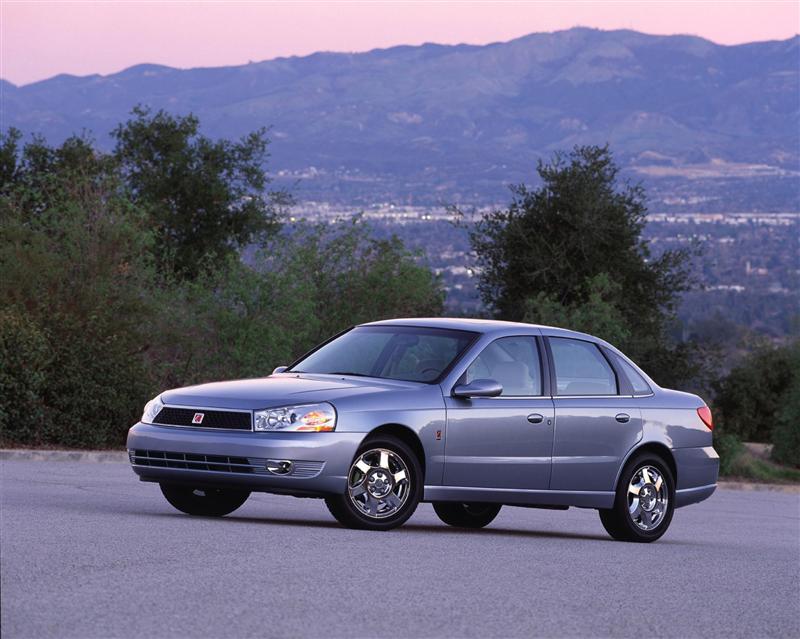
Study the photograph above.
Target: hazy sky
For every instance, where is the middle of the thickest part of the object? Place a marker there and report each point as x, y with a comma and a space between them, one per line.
41, 39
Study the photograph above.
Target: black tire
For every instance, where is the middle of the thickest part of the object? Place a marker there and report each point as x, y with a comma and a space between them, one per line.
619, 521
343, 508
469, 515
205, 502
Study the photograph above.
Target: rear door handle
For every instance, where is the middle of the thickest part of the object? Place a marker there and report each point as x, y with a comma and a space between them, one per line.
535, 418
623, 418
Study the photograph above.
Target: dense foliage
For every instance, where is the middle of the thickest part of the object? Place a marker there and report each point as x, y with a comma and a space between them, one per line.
571, 253
92, 323
595, 314
76, 259
308, 283
169, 262
786, 432
759, 400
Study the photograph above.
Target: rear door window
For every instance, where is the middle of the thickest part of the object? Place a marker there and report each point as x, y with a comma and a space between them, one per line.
581, 369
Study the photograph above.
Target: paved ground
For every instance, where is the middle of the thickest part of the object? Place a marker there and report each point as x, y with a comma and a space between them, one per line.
88, 551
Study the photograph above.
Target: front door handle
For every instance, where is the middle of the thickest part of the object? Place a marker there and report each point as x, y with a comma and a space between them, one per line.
623, 418
535, 418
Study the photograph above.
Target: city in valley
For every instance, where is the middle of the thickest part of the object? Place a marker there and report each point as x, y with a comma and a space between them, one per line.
746, 265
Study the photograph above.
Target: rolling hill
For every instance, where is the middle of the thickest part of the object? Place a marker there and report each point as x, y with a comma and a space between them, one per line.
706, 127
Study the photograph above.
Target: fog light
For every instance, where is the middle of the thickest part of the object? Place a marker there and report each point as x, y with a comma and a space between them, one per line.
279, 466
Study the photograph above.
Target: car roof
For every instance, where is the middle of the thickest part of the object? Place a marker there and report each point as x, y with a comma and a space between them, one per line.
480, 326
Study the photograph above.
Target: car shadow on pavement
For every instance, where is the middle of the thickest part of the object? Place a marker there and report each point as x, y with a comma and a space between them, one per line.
505, 532
407, 528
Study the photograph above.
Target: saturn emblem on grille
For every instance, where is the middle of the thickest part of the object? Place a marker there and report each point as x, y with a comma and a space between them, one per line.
198, 418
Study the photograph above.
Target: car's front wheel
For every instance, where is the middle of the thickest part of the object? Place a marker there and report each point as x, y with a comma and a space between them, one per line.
207, 502
644, 502
469, 515
384, 486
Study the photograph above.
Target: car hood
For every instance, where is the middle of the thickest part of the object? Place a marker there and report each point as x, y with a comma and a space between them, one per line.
277, 390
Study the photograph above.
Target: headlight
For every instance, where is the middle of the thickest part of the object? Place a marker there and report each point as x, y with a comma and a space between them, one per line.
307, 417
151, 410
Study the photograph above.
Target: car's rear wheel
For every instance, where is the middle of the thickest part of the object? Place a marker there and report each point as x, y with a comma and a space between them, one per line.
207, 502
644, 501
468, 515
384, 486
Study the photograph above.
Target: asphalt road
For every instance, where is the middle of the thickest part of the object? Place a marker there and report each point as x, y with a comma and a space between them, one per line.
88, 551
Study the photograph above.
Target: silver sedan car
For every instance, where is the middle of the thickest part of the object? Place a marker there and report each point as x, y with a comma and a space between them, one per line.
467, 414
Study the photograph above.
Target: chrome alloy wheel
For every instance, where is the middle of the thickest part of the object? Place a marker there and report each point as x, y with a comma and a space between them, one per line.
379, 483
648, 497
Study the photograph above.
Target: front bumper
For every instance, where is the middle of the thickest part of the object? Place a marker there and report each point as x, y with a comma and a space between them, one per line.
205, 457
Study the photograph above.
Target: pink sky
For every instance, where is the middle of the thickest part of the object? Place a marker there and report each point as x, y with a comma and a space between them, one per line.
42, 39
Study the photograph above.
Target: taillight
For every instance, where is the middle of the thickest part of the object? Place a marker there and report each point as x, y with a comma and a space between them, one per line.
705, 414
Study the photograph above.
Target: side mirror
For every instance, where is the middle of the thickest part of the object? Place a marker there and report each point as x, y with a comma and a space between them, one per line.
280, 369
478, 388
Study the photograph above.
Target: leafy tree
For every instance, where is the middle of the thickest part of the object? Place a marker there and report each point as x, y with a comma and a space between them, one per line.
38, 179
596, 315
9, 157
575, 244
205, 198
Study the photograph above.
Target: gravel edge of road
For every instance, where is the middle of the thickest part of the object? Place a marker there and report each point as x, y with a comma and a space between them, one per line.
32, 454
105, 456
732, 484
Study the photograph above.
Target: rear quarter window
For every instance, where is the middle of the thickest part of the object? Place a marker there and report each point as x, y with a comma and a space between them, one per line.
638, 383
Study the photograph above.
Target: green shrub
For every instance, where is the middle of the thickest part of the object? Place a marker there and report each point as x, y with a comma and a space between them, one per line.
347, 276
83, 390
230, 322
76, 267
729, 448
313, 281
748, 399
751, 468
786, 433
24, 356
96, 384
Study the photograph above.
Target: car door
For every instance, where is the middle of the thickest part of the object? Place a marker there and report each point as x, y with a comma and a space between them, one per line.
595, 423
505, 441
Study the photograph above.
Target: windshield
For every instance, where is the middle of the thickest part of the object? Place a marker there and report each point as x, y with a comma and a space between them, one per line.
408, 353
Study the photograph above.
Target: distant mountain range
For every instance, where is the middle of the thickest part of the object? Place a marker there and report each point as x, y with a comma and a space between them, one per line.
706, 127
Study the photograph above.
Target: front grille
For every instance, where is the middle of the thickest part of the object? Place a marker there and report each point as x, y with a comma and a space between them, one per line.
191, 461
231, 420
306, 468
220, 463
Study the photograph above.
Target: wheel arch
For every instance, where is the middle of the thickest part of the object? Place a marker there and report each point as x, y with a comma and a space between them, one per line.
404, 434
655, 448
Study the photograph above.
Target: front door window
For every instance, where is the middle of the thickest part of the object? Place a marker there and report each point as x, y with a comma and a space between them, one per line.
511, 361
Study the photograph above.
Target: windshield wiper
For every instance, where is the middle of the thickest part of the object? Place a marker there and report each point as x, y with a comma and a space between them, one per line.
353, 374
